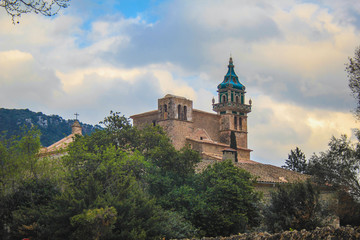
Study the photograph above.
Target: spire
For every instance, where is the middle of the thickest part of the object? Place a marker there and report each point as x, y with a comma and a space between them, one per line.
230, 60
231, 78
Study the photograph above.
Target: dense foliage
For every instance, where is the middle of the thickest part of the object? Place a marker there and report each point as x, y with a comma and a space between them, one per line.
52, 128
120, 183
337, 169
296, 161
295, 206
338, 166
353, 70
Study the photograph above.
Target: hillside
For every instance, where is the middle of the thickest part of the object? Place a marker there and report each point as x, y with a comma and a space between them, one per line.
53, 127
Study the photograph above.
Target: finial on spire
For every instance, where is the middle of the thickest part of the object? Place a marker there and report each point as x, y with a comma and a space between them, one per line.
230, 60
76, 116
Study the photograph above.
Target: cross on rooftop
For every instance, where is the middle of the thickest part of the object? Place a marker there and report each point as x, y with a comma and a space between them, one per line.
76, 115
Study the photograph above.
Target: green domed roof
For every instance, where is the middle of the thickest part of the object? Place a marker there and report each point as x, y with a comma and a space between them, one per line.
231, 79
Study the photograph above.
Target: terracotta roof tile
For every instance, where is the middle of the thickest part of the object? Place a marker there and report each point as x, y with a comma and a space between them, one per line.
265, 173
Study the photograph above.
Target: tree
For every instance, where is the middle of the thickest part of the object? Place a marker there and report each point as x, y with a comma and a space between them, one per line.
25, 210
124, 168
353, 70
294, 206
15, 8
296, 161
233, 144
104, 190
19, 158
226, 202
339, 166
94, 223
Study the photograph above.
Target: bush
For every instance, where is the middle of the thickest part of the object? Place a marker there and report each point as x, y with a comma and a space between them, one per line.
294, 206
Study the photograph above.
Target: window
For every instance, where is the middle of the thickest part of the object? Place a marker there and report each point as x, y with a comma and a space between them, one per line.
179, 111
240, 123
237, 99
223, 98
165, 112
185, 113
235, 122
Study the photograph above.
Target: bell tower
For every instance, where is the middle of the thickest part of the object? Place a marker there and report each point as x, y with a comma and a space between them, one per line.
232, 109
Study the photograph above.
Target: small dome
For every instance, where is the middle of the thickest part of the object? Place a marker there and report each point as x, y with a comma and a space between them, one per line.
76, 124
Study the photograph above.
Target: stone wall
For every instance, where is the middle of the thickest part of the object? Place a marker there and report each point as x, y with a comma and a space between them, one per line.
206, 147
341, 233
145, 118
177, 130
208, 121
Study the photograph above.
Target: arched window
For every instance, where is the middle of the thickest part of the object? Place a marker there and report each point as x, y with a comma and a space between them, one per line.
165, 112
237, 99
223, 98
240, 123
179, 111
185, 113
235, 122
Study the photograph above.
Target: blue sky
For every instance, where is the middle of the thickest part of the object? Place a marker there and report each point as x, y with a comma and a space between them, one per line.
97, 56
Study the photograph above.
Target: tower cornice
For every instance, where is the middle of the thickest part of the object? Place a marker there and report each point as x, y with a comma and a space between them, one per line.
232, 106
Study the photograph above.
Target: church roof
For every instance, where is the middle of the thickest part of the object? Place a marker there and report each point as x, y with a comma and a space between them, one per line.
267, 173
231, 79
264, 173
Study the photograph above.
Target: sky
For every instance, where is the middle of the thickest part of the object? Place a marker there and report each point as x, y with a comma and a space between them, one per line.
97, 56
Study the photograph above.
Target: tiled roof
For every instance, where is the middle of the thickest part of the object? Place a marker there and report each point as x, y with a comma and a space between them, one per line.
265, 173
60, 145
144, 114
271, 174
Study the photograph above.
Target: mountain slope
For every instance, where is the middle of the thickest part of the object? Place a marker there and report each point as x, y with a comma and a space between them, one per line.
53, 127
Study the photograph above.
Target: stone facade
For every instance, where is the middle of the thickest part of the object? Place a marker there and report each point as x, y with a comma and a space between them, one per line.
59, 148
207, 133
210, 133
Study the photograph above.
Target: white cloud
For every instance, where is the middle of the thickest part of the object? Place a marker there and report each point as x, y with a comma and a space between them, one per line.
289, 54
275, 128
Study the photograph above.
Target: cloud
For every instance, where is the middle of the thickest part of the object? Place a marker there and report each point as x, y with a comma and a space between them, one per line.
24, 81
93, 58
275, 128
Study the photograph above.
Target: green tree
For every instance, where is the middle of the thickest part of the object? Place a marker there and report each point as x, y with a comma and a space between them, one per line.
94, 223
227, 203
24, 211
233, 144
296, 161
19, 158
294, 206
104, 187
115, 173
339, 166
353, 70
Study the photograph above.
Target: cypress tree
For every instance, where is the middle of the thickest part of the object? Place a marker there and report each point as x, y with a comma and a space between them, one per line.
233, 144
